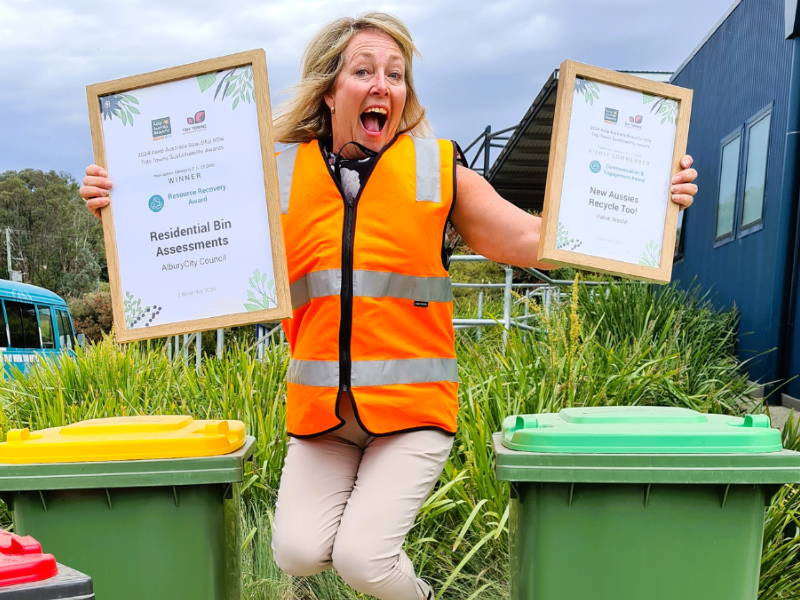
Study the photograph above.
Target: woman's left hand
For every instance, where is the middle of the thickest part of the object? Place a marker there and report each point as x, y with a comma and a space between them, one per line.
683, 189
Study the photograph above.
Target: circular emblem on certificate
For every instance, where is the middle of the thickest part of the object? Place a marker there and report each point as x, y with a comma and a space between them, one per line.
156, 203
594, 166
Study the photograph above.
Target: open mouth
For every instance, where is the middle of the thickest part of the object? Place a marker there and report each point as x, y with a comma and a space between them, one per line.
374, 119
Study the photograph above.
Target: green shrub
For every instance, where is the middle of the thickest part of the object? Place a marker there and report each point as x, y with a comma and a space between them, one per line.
91, 314
629, 344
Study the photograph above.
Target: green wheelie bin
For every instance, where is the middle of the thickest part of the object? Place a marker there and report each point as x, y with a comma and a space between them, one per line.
626, 503
147, 506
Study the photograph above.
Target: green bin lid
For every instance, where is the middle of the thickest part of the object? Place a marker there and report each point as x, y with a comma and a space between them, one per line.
639, 430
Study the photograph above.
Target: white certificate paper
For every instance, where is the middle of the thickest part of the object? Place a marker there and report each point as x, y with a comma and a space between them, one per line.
189, 205
617, 173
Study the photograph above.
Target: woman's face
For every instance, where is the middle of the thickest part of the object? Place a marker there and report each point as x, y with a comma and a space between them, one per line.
369, 93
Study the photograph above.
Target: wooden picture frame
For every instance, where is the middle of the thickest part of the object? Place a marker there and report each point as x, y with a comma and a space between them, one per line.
660, 270
255, 91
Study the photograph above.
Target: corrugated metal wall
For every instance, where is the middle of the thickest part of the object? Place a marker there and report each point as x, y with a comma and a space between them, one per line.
743, 67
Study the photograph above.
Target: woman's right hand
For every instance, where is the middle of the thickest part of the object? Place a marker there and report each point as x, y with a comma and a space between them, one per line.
95, 189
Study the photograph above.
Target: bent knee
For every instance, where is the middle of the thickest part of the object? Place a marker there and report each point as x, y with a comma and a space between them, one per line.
298, 557
354, 569
358, 570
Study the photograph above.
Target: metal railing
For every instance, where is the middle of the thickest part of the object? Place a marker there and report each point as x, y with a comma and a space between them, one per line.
546, 292
487, 141
507, 321
174, 348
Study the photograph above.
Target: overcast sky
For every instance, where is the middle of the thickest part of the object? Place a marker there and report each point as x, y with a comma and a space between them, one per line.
483, 60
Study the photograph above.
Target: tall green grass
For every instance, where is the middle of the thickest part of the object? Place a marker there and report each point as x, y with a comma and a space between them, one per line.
627, 344
108, 379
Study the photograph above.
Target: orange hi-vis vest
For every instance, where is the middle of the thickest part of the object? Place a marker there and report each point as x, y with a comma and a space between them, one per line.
372, 301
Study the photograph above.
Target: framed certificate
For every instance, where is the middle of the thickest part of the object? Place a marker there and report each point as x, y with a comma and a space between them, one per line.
193, 233
617, 142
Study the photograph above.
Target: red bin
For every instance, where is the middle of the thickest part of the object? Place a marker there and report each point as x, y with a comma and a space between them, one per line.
28, 574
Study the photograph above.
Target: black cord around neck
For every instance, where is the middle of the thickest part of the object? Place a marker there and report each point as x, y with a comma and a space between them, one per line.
337, 161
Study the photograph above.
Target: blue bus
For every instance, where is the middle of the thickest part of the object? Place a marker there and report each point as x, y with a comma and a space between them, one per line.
35, 323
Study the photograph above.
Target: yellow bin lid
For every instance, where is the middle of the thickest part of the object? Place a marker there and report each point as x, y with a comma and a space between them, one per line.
123, 438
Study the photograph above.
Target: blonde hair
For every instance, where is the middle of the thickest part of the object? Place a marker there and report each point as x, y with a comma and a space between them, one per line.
306, 116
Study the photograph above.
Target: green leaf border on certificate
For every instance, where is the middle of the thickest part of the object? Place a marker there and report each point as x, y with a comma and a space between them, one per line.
588, 89
120, 106
236, 83
138, 316
261, 294
651, 257
667, 108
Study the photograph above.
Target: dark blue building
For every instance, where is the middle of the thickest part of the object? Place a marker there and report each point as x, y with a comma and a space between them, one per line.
741, 238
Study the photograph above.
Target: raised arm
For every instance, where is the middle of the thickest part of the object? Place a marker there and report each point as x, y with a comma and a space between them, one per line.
492, 226
501, 232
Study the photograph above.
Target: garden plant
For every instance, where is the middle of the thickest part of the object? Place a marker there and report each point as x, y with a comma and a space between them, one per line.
621, 344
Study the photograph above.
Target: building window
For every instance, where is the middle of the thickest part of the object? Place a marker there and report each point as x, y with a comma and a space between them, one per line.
743, 178
755, 171
728, 180
680, 236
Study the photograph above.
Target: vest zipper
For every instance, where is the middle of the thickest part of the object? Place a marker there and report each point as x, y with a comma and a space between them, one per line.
346, 295
346, 327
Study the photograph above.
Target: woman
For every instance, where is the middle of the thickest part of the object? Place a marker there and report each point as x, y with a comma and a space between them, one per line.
367, 200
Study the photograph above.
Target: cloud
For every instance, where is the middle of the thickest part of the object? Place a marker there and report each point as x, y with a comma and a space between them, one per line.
483, 62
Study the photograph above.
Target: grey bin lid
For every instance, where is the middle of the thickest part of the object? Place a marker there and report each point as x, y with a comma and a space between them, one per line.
69, 584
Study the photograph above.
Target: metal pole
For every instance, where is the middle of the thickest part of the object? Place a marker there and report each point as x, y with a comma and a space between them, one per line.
186, 349
198, 351
260, 344
487, 152
280, 333
8, 250
507, 306
220, 342
169, 349
464, 323
480, 312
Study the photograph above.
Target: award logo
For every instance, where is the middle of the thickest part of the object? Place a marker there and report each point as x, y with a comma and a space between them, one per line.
595, 166
634, 122
611, 116
156, 203
196, 123
199, 117
162, 128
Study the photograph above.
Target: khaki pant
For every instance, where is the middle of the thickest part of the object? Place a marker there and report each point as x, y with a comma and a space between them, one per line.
348, 499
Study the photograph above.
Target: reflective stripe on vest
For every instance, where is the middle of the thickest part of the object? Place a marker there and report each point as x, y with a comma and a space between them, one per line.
371, 284
285, 161
319, 373
373, 302
315, 285
429, 185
